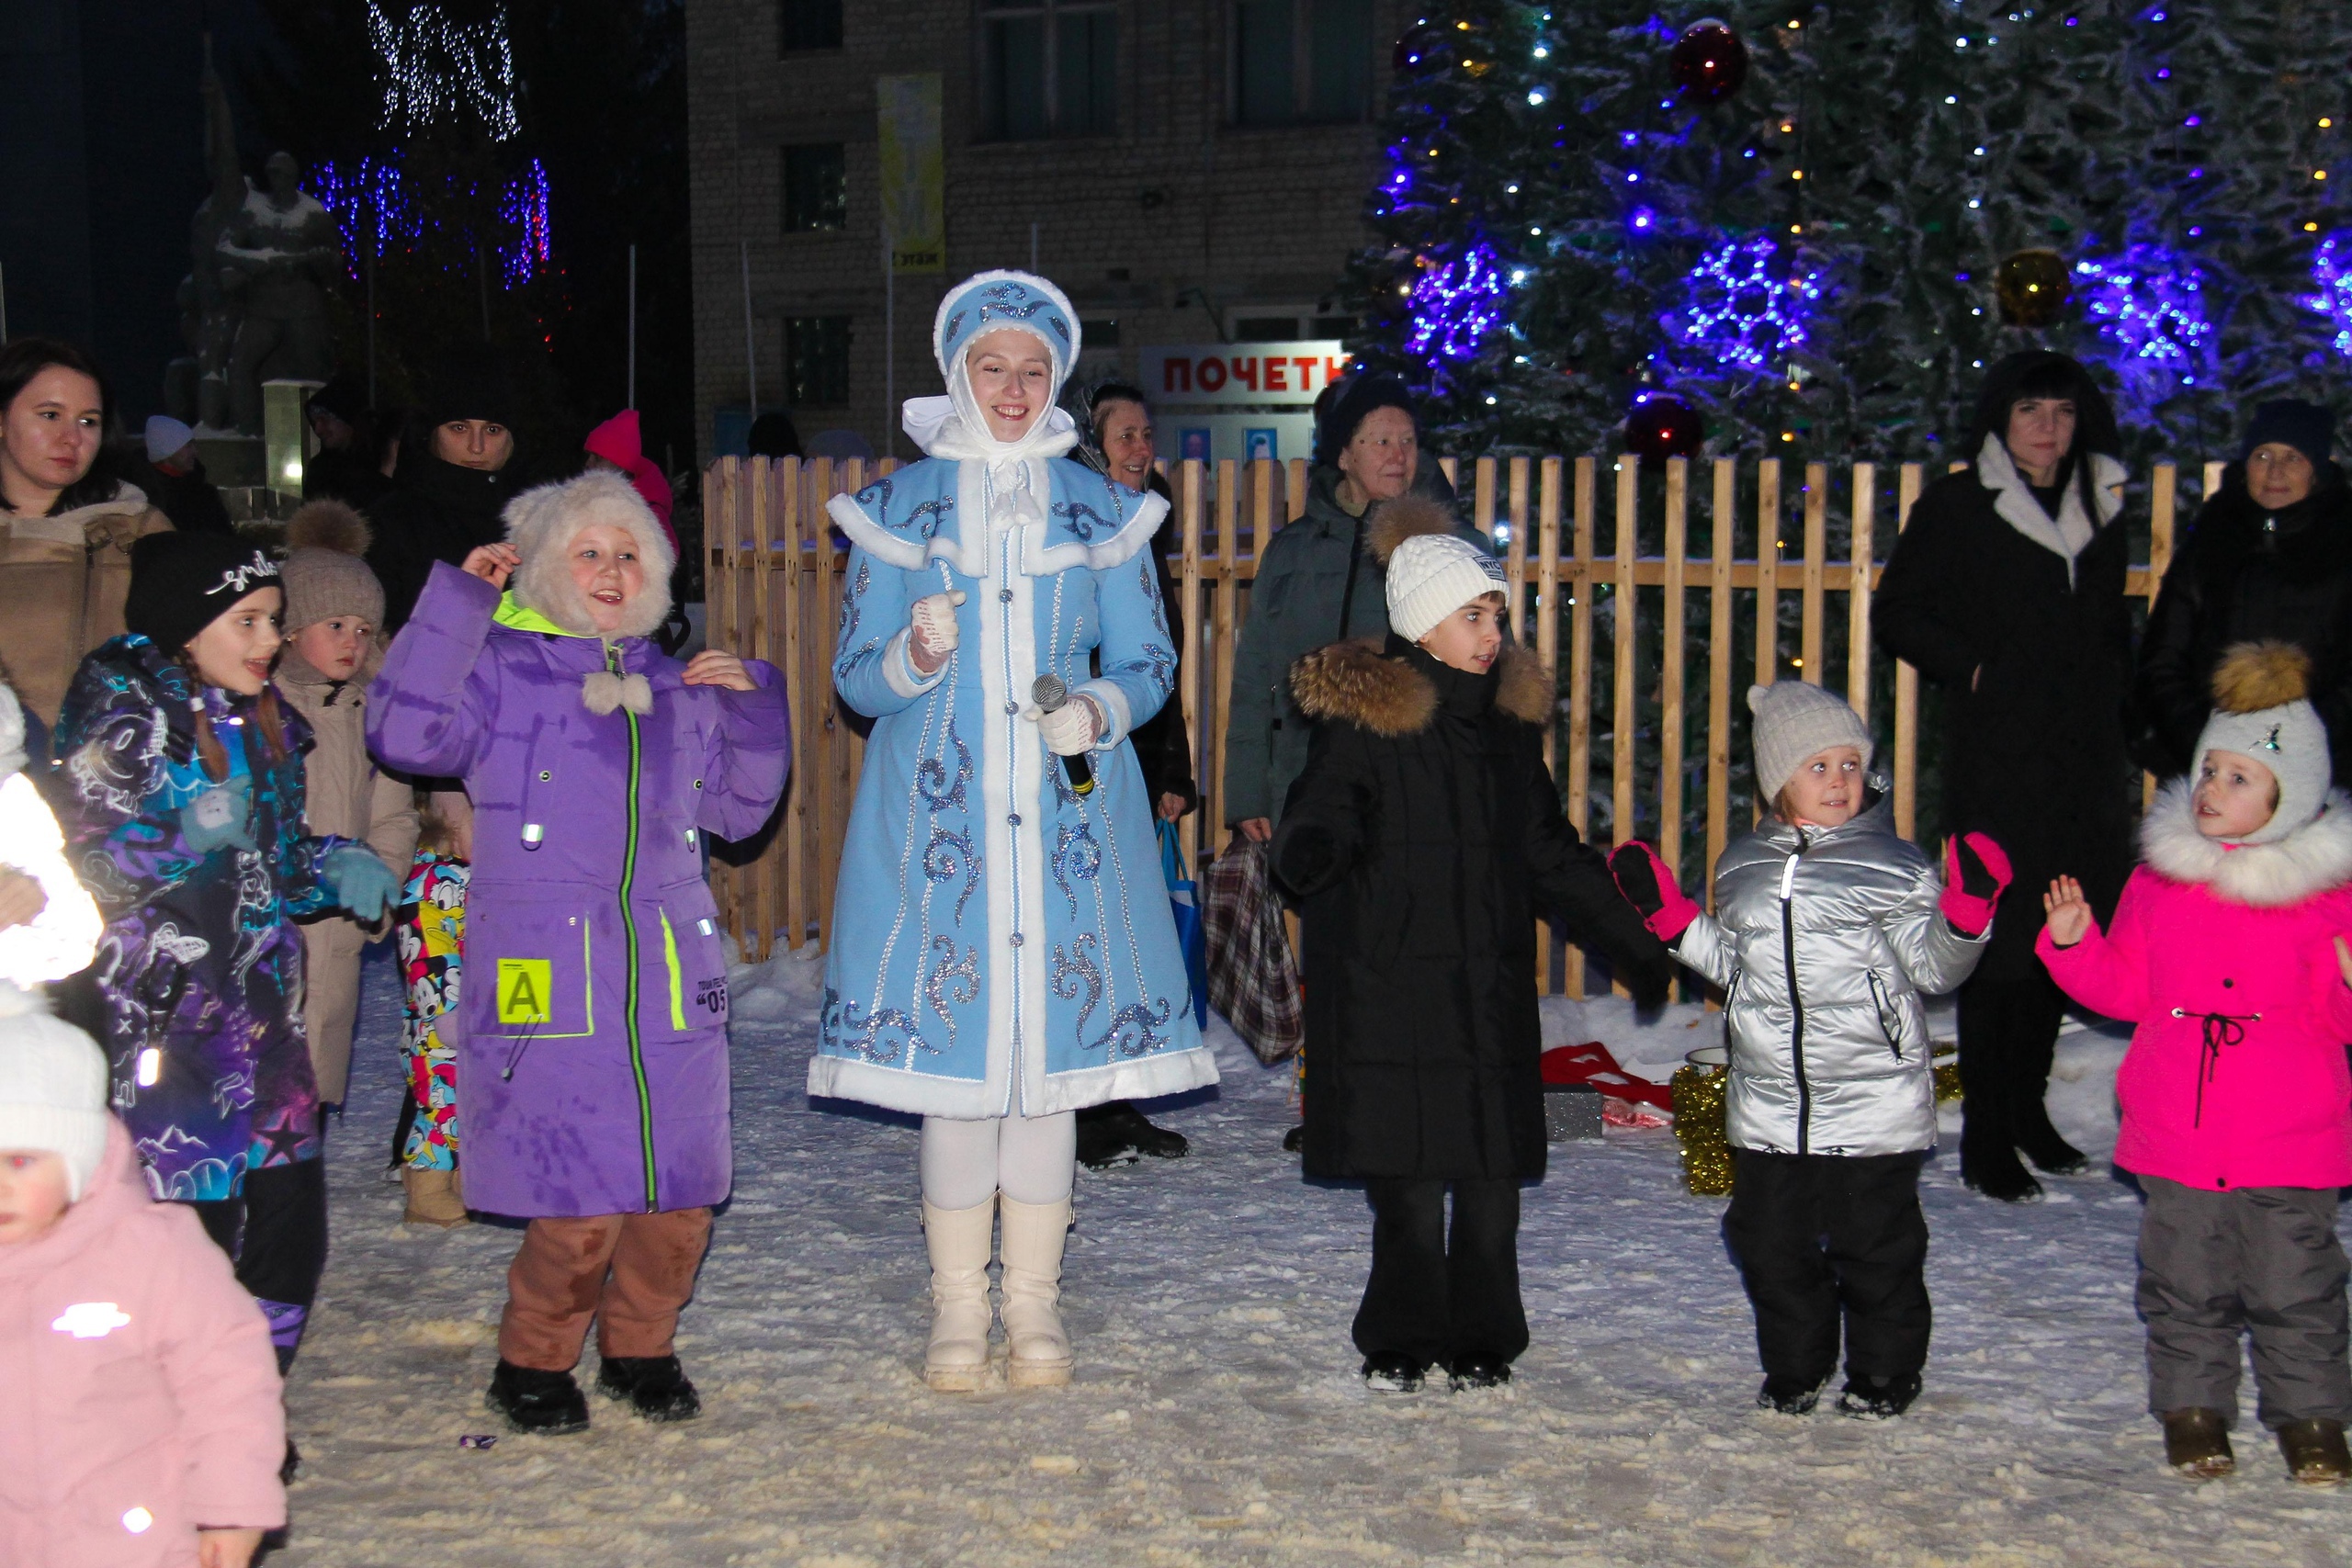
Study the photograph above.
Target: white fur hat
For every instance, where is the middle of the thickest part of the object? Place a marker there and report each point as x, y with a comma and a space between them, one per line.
541, 525
52, 1087
2262, 710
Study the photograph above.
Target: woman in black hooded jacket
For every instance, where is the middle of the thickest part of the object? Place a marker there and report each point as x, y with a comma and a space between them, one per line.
2268, 560
2007, 590
457, 473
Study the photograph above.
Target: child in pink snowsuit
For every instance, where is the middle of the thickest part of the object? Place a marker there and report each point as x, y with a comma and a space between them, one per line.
2228, 949
143, 1428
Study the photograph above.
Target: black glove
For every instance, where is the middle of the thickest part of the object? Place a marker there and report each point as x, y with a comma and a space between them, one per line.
1636, 879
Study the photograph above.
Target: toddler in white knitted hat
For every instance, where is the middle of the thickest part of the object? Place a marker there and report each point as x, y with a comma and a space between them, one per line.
161, 1444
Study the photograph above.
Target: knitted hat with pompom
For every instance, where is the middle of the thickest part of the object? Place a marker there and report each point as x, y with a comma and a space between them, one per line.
2262, 709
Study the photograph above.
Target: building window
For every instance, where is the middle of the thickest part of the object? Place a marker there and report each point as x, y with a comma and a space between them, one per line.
1300, 62
808, 24
1099, 335
1048, 68
816, 188
816, 360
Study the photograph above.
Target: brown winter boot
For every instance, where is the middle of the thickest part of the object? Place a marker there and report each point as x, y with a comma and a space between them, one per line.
2316, 1453
2197, 1444
1038, 1346
434, 1198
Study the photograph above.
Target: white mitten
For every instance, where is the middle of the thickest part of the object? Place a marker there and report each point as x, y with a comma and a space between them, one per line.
931, 625
1067, 731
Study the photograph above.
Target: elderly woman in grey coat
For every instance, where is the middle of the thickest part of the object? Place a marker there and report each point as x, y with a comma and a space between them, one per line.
1828, 931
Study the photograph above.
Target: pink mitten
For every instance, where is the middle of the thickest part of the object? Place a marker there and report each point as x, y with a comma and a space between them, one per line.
1647, 883
1975, 870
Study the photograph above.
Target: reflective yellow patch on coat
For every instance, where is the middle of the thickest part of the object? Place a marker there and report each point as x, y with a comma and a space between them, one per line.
525, 990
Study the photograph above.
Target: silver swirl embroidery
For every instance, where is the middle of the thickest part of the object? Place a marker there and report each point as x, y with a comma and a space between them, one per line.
884, 1037
1133, 1031
955, 977
1074, 974
1077, 853
932, 782
949, 855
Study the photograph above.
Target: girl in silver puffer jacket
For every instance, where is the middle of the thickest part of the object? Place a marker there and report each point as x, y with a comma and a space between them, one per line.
1827, 932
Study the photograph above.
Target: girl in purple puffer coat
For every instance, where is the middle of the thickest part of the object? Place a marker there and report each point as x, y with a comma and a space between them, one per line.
593, 1064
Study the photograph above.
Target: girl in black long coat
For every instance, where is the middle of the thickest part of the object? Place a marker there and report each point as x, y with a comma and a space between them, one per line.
1424, 835
2007, 589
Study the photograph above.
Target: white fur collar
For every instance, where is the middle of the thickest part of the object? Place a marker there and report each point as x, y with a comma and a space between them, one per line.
2070, 531
2312, 859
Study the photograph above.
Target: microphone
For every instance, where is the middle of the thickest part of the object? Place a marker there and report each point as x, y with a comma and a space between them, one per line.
1048, 692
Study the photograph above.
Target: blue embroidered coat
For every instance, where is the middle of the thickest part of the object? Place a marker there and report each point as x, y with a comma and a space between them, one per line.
1001, 944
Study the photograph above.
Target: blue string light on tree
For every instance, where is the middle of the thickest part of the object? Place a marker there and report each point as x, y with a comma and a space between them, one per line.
1453, 307
1743, 308
2149, 305
2331, 270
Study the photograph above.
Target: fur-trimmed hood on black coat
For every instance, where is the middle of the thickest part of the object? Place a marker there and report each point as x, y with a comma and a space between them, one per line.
2244, 573
1426, 838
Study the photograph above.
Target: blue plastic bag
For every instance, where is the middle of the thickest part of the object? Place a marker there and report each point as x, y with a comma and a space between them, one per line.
1183, 902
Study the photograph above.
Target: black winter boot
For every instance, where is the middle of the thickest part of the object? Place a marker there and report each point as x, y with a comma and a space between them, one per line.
1470, 1373
1790, 1396
539, 1402
1392, 1371
1876, 1398
655, 1385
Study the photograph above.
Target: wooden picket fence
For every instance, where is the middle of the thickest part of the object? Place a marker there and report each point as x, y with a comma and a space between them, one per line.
777, 565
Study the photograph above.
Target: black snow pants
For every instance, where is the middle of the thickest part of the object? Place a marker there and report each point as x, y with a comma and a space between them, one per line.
1818, 1237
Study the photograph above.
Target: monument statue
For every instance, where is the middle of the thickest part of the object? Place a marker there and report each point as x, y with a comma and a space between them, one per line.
253, 306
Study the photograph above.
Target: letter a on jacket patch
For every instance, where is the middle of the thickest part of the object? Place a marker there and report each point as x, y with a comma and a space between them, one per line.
524, 987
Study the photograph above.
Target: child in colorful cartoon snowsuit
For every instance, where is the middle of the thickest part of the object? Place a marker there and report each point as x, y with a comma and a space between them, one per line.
183, 775
430, 926
2228, 951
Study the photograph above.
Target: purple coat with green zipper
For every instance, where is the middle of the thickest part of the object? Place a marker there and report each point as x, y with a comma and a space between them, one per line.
594, 1068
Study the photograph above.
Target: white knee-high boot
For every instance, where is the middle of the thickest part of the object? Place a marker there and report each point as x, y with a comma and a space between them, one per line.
1033, 1234
960, 1241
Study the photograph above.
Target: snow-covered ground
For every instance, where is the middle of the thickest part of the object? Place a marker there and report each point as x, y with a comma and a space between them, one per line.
1217, 1417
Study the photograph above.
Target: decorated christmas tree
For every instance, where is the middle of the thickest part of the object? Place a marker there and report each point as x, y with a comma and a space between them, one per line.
1801, 227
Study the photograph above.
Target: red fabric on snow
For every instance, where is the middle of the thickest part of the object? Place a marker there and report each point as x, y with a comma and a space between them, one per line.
1591, 1063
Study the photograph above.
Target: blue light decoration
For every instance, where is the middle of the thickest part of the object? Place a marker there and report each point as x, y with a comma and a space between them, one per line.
1744, 306
1454, 306
371, 206
2331, 270
2149, 304
524, 208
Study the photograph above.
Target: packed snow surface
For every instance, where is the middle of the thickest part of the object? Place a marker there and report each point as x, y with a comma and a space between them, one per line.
1217, 1417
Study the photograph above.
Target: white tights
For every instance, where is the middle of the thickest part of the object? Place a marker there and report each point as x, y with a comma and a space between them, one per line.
1034, 1159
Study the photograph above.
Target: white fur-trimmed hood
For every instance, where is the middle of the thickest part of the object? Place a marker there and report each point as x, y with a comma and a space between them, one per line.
2310, 860
541, 522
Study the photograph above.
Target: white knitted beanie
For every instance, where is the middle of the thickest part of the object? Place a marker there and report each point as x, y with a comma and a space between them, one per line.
52, 1087
1796, 720
2262, 711
1432, 575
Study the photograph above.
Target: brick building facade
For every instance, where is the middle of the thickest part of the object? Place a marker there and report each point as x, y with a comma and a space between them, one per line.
1189, 171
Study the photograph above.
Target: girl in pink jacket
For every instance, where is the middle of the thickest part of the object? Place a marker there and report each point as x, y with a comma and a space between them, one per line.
2228, 951
143, 1428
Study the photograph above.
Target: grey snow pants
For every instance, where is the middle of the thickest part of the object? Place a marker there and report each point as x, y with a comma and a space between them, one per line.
2214, 1266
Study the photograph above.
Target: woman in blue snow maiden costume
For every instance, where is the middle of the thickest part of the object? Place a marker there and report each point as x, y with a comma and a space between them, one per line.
1002, 951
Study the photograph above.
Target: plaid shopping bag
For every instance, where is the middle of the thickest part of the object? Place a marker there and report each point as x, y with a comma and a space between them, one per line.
1254, 979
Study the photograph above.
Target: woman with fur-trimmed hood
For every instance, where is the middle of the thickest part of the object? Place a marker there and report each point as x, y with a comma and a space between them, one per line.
593, 1065
1425, 836
2228, 951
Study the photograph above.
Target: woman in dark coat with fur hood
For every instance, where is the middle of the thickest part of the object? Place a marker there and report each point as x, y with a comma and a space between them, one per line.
1425, 836
2007, 590
2268, 560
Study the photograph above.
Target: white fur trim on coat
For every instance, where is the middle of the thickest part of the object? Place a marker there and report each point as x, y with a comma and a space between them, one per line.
2068, 533
2312, 859
541, 522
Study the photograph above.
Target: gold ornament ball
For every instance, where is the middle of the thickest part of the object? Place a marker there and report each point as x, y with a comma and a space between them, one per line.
2032, 288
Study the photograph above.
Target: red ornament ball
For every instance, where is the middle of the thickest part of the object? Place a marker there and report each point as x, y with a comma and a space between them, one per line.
1661, 426
1708, 61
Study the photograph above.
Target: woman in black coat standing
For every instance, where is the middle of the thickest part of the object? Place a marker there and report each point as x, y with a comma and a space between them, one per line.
2007, 590
2270, 559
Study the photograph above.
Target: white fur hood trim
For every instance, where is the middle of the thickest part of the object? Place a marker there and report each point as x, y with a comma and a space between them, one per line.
2070, 533
2310, 860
